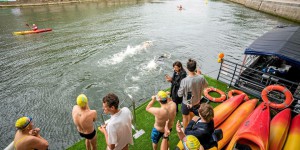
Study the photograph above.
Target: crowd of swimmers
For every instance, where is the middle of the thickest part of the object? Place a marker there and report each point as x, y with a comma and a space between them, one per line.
195, 131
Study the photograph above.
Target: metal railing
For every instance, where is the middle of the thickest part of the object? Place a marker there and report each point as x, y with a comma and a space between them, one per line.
253, 81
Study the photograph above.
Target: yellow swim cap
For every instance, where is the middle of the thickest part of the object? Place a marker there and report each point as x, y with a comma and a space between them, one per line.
192, 143
23, 122
163, 95
82, 100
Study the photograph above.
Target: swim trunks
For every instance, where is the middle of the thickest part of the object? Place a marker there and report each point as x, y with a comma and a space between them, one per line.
156, 135
88, 136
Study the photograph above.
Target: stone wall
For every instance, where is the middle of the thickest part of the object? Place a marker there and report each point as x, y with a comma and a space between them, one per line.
254, 4
239, 1
289, 9
21, 3
34, 2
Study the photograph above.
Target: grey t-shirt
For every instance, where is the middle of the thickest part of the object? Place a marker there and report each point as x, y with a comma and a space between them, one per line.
195, 85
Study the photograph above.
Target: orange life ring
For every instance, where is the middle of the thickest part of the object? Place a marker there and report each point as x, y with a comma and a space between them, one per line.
287, 93
238, 92
220, 99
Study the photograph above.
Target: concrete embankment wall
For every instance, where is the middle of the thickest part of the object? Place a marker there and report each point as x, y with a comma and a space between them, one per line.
289, 9
21, 3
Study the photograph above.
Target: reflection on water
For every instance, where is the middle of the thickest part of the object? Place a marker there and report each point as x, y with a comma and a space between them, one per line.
96, 48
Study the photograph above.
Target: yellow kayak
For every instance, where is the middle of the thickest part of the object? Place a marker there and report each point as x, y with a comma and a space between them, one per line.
32, 32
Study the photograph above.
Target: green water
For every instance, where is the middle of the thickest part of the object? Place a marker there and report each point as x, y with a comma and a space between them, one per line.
96, 48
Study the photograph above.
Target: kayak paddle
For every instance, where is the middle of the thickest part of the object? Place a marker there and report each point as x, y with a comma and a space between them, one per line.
28, 25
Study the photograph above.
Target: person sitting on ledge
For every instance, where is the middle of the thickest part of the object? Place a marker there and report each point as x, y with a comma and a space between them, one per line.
28, 137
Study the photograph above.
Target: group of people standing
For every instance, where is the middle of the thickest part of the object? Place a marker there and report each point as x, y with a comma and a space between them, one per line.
186, 89
197, 118
119, 124
27, 137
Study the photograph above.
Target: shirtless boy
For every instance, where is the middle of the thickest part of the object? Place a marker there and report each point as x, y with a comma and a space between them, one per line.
84, 118
167, 111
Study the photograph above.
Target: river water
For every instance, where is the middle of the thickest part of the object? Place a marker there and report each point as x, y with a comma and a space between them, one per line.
96, 48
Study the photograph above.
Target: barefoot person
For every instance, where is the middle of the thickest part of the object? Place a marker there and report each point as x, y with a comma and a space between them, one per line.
84, 119
167, 111
191, 89
28, 137
117, 132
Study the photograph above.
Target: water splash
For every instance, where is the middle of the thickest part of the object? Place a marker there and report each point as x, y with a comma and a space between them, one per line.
152, 65
128, 52
135, 78
132, 90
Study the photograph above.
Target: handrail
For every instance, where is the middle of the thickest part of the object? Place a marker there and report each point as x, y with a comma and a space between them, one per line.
253, 81
134, 114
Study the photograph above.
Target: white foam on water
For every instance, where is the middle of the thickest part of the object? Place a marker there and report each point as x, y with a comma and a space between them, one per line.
128, 52
141, 72
152, 65
132, 89
167, 55
135, 78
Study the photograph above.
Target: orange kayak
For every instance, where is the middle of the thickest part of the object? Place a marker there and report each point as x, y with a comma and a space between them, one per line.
279, 128
254, 132
222, 111
32, 32
293, 139
233, 122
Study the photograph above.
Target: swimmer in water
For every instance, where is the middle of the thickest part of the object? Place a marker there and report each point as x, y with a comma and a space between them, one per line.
146, 44
180, 7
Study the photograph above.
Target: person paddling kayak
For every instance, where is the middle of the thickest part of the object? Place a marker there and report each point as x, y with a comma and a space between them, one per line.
34, 27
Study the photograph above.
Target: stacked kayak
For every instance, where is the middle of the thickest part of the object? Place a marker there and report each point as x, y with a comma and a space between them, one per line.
223, 111
293, 139
254, 132
32, 32
233, 122
279, 128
